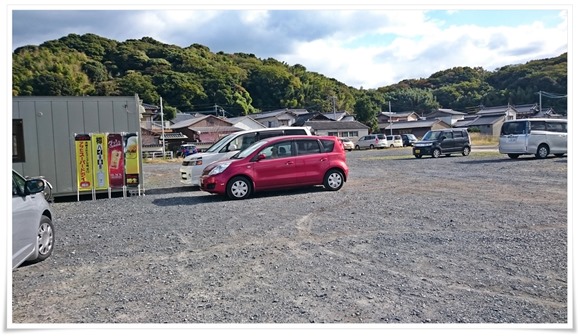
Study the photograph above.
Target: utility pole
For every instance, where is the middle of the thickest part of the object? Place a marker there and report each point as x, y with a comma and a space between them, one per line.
162, 129
390, 120
333, 106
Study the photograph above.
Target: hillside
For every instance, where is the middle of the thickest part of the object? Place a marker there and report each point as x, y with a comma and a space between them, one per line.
196, 79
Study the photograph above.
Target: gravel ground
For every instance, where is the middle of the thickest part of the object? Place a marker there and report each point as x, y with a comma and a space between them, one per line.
456, 240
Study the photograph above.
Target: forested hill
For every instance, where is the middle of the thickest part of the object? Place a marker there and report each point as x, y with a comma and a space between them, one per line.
195, 79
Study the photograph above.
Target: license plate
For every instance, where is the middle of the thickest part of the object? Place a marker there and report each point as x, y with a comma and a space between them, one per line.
417, 151
512, 139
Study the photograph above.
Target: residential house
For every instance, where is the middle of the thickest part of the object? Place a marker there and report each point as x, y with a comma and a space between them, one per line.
312, 116
245, 123
339, 116
533, 111
203, 129
385, 117
484, 124
153, 132
346, 129
448, 116
282, 117
508, 111
418, 127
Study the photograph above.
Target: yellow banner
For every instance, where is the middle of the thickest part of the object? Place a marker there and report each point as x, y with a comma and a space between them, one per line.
100, 161
84, 162
132, 156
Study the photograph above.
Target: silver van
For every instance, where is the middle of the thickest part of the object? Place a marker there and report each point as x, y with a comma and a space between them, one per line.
538, 136
372, 141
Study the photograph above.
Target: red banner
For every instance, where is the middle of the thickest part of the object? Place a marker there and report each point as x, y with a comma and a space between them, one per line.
116, 160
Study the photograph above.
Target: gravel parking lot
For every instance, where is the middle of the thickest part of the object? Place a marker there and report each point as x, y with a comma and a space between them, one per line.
480, 239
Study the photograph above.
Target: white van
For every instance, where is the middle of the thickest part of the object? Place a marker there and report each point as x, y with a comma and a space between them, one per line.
229, 145
538, 136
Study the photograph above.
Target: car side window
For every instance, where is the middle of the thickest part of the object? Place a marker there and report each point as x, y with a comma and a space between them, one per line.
17, 184
277, 150
555, 127
269, 134
458, 134
307, 147
447, 135
537, 125
327, 146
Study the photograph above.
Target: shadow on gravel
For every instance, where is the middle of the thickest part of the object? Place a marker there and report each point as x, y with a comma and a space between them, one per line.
506, 160
171, 190
210, 198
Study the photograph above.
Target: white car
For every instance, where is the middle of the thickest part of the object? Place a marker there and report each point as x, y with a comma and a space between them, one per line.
228, 146
372, 141
394, 141
32, 228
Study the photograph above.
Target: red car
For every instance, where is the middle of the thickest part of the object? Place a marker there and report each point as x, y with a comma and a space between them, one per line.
279, 163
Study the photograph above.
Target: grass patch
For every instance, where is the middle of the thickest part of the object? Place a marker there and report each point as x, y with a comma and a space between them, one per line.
478, 139
160, 160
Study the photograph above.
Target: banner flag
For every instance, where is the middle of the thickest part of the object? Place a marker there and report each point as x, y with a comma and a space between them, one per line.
116, 162
84, 162
100, 162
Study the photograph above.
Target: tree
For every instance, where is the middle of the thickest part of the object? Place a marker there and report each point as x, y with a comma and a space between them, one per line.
366, 112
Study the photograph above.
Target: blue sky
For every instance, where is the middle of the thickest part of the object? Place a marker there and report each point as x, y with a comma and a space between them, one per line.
368, 46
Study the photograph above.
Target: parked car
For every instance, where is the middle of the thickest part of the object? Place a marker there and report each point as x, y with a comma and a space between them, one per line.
540, 137
186, 150
32, 216
408, 139
228, 146
443, 141
279, 163
347, 144
394, 141
372, 141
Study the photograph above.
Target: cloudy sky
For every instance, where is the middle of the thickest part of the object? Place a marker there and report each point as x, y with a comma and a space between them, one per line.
365, 47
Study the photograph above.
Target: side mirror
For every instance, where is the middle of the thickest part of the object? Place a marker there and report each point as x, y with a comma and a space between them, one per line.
443, 137
33, 186
261, 156
232, 147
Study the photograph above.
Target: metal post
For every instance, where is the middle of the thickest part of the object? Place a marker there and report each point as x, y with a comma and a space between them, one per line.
390, 120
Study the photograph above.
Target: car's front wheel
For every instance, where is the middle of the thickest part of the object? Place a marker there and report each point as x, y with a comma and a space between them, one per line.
238, 188
333, 180
514, 156
436, 153
44, 239
357, 147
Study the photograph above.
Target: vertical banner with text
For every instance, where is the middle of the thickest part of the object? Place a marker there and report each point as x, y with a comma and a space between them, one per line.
116, 160
100, 162
84, 162
131, 159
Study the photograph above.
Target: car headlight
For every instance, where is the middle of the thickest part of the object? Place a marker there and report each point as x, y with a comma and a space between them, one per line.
219, 168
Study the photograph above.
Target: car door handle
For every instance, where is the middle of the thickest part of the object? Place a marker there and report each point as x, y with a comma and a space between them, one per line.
289, 163
323, 159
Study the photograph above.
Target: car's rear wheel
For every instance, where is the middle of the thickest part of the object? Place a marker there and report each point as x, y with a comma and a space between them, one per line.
436, 153
45, 239
372, 146
542, 152
514, 156
333, 180
466, 151
357, 147
239, 188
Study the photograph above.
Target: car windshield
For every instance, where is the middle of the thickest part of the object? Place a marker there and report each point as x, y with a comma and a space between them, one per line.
216, 146
411, 137
244, 153
431, 135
